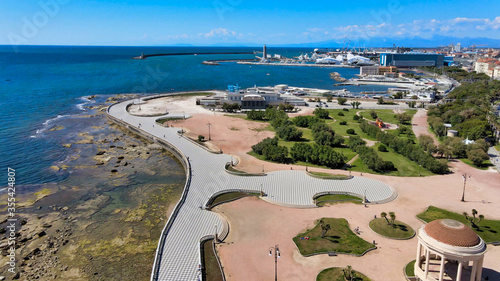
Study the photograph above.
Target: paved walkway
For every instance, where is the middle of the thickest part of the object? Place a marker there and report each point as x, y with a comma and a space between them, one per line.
494, 157
181, 256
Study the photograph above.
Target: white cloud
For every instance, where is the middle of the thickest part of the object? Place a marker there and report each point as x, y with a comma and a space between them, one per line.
460, 26
220, 33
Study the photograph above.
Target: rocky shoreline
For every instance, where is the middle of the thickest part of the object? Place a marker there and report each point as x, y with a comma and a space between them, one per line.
103, 222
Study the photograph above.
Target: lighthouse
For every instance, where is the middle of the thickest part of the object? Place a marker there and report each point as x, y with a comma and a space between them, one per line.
264, 53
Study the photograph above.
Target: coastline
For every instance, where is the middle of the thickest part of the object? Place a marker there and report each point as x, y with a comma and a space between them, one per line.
105, 218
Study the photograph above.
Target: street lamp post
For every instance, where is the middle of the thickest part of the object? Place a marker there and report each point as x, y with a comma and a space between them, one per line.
209, 125
216, 235
464, 177
276, 256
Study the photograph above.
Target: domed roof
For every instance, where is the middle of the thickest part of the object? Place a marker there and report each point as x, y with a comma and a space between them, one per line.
452, 232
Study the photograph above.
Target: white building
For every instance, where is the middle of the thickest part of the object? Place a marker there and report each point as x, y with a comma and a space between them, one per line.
449, 250
368, 70
254, 98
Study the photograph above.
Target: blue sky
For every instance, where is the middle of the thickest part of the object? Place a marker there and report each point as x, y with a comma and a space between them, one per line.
232, 22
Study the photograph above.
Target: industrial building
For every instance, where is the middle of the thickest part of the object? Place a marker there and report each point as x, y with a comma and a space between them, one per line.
411, 59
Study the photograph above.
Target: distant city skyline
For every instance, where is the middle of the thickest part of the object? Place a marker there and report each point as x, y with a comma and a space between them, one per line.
246, 23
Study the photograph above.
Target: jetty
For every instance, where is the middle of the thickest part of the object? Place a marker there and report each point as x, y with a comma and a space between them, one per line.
178, 252
143, 56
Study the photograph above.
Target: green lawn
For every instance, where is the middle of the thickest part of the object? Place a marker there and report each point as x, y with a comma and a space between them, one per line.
212, 270
351, 124
231, 196
410, 269
489, 230
386, 115
400, 230
232, 169
339, 239
404, 166
328, 176
337, 198
336, 274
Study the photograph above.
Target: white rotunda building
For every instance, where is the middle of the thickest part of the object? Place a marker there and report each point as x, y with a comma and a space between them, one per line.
449, 250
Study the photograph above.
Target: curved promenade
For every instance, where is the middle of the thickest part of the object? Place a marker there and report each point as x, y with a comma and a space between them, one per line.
178, 257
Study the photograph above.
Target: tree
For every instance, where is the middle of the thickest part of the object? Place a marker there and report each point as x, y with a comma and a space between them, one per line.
329, 99
403, 118
384, 215
349, 273
324, 228
393, 217
473, 220
427, 143
341, 100
411, 104
481, 217
355, 104
321, 113
382, 148
398, 95
256, 115
259, 148
230, 107
201, 138
289, 133
477, 156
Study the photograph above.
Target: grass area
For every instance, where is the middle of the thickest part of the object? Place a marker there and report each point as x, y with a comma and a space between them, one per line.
399, 230
231, 196
337, 198
497, 147
232, 169
410, 269
328, 176
489, 230
351, 123
386, 115
339, 239
404, 166
165, 120
485, 166
212, 270
336, 274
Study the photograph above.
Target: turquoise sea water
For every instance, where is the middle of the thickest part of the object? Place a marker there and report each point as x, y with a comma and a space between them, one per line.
41, 86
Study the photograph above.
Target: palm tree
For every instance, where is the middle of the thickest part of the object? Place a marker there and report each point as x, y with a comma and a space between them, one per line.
474, 213
481, 217
393, 217
466, 215
349, 274
324, 228
384, 215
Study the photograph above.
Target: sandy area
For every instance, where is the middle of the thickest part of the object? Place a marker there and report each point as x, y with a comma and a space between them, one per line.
256, 225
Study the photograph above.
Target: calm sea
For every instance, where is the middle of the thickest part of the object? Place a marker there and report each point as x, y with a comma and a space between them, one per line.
41, 86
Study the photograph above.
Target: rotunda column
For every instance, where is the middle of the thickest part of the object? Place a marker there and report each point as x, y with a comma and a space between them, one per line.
459, 270
441, 269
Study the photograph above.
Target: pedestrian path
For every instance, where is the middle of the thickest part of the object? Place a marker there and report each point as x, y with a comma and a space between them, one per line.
178, 255
494, 157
